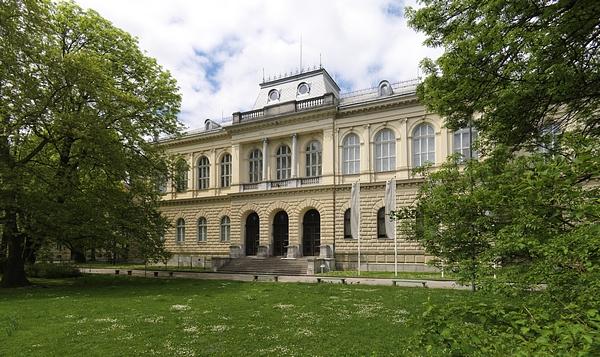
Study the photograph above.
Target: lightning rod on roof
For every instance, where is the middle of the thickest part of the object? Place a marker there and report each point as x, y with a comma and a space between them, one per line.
300, 50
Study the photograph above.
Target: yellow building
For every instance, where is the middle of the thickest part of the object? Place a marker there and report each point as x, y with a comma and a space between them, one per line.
275, 182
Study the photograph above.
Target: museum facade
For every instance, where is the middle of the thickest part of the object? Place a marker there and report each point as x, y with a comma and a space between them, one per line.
275, 181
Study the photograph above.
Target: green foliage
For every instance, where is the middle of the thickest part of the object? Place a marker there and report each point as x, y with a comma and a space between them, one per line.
519, 65
512, 227
488, 327
80, 103
524, 221
52, 271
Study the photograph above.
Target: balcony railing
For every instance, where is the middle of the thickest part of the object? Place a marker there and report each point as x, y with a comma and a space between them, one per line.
254, 114
309, 103
282, 183
287, 183
285, 108
310, 181
249, 186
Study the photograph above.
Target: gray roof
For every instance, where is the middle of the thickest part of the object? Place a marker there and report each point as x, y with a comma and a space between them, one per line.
368, 94
319, 81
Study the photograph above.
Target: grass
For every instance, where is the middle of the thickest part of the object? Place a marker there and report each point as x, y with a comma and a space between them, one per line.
128, 316
390, 275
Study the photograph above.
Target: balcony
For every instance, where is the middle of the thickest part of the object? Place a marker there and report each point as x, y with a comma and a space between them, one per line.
307, 181
285, 108
289, 183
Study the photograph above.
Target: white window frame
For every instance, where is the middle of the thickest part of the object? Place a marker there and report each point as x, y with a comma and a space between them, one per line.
203, 173
226, 170
351, 154
202, 229
385, 150
283, 159
255, 166
225, 229
314, 159
461, 143
423, 139
180, 231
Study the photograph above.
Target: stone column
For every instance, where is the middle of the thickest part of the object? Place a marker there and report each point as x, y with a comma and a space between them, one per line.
236, 164
366, 167
294, 155
328, 157
265, 153
213, 180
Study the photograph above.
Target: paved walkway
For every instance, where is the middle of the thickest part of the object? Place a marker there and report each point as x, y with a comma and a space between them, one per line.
435, 284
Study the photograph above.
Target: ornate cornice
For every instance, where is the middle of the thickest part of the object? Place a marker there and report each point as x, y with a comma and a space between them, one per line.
376, 105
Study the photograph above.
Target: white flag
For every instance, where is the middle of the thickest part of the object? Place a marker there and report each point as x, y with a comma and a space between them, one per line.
390, 206
355, 210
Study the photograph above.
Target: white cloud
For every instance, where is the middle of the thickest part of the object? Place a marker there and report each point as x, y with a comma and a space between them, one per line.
217, 50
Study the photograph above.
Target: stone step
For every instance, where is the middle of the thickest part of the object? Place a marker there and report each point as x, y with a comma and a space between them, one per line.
271, 265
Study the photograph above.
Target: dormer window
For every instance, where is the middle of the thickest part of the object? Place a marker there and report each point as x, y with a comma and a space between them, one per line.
385, 88
209, 125
273, 95
303, 88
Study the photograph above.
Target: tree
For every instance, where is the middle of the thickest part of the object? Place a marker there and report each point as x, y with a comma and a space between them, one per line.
524, 220
79, 102
519, 65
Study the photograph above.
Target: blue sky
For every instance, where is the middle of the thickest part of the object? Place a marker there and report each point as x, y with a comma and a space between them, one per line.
217, 50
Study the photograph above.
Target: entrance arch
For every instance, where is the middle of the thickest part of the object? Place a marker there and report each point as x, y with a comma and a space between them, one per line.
280, 233
311, 233
252, 233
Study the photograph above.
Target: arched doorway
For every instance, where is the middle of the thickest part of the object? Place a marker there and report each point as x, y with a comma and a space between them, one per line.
311, 233
280, 233
252, 234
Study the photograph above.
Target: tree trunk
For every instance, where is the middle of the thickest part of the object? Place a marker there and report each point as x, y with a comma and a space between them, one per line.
30, 251
14, 270
78, 255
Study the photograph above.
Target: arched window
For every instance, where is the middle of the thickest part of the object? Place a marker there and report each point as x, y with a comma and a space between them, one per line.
202, 229
381, 233
226, 170
350, 155
283, 158
161, 184
423, 145
313, 159
203, 173
181, 176
347, 226
256, 162
225, 229
385, 150
463, 140
180, 235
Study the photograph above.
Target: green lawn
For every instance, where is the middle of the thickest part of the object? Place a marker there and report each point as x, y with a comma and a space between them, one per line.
390, 275
125, 316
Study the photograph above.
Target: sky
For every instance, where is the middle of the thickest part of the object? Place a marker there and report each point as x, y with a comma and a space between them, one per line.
217, 50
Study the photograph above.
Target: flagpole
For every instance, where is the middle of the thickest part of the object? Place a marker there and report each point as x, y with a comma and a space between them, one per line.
359, 252
395, 251
355, 218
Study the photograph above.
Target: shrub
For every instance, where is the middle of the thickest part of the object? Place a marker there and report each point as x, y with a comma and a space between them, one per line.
50, 270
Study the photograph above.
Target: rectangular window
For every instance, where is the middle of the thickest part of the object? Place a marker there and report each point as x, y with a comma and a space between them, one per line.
463, 139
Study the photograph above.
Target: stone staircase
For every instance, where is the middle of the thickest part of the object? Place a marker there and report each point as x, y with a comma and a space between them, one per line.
270, 265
